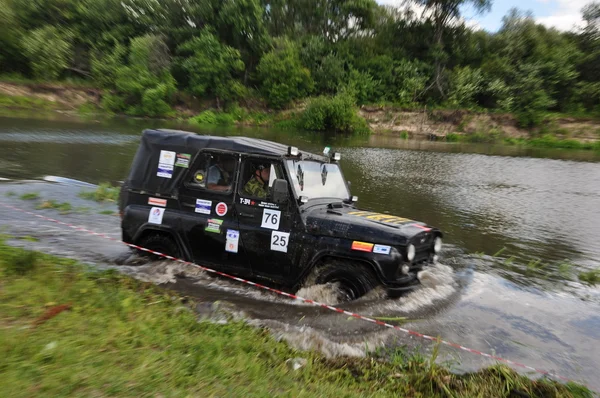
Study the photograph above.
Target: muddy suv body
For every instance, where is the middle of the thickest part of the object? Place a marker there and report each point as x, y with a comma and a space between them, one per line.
189, 196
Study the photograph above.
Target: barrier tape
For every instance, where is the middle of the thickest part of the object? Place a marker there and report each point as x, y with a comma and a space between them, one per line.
292, 296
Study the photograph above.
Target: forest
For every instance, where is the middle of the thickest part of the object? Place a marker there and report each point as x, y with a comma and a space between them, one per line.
148, 55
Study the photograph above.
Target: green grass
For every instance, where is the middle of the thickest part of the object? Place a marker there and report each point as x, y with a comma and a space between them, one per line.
29, 238
64, 207
10, 194
30, 196
68, 330
106, 212
17, 101
590, 277
104, 193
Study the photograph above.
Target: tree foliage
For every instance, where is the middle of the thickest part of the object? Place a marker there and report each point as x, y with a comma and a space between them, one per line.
282, 76
143, 51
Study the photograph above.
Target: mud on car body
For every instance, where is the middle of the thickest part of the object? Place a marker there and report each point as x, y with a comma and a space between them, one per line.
195, 197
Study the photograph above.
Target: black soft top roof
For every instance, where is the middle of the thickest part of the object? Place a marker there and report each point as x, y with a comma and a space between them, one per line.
198, 142
143, 174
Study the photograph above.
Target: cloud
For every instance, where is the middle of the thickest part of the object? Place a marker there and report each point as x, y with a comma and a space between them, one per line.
566, 15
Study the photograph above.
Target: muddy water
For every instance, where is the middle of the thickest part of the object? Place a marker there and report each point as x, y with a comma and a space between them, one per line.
519, 230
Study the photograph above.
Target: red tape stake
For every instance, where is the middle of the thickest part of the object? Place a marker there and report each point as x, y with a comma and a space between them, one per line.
292, 296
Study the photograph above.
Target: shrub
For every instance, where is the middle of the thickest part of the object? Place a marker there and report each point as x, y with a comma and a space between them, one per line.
210, 117
333, 113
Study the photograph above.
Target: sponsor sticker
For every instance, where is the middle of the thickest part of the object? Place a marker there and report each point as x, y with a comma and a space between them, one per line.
203, 206
270, 219
221, 209
385, 218
250, 202
232, 242
183, 160
157, 202
165, 164
362, 246
165, 171
167, 157
214, 225
280, 241
156, 215
381, 249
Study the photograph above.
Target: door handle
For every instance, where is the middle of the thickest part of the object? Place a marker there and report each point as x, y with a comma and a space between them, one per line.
249, 215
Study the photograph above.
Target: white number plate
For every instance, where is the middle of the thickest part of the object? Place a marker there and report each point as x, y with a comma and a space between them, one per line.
279, 241
270, 219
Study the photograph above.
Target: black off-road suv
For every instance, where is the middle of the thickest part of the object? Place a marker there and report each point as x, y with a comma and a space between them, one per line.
266, 211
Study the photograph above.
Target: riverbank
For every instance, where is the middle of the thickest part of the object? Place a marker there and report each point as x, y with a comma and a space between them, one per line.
71, 330
555, 131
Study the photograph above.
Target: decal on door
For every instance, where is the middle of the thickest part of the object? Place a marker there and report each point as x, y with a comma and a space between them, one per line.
233, 238
270, 219
279, 241
214, 225
203, 206
221, 209
156, 215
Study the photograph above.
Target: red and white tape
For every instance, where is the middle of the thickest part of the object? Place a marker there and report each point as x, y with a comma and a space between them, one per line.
292, 296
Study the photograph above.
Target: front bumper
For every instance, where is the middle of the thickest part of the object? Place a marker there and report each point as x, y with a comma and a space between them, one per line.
402, 286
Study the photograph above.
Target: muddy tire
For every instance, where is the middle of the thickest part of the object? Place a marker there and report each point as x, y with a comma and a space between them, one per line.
354, 279
160, 243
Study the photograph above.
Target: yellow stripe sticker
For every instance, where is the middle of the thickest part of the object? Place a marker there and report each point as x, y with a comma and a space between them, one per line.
386, 218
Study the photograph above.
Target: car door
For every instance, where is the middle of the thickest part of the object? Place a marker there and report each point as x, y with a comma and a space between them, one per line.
266, 228
210, 224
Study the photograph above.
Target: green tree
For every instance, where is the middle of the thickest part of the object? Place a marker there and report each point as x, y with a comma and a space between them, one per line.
282, 76
441, 14
49, 51
212, 68
144, 86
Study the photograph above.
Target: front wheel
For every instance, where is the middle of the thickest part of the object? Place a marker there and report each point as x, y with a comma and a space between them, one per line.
353, 279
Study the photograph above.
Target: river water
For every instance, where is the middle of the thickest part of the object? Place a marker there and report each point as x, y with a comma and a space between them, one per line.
520, 226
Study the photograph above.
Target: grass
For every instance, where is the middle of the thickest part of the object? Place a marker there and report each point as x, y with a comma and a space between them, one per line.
590, 277
104, 193
29, 238
30, 196
106, 212
17, 101
70, 330
64, 207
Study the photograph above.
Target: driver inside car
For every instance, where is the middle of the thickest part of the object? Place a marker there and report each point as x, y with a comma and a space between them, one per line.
258, 185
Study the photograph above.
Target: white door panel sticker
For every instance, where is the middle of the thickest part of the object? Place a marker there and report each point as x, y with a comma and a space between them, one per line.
232, 243
270, 219
280, 241
156, 215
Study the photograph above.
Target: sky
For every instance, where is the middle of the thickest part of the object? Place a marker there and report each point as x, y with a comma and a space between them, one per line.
560, 14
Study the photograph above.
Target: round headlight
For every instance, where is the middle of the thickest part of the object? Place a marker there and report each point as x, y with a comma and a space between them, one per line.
410, 252
437, 245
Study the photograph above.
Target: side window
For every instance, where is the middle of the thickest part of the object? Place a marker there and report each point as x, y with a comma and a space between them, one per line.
214, 172
258, 176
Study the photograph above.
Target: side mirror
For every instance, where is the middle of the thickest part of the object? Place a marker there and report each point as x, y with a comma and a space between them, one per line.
280, 191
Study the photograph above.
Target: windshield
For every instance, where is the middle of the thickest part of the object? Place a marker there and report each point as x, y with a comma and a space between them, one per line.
317, 180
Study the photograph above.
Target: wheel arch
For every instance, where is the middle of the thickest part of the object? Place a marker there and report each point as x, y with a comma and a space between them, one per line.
322, 257
149, 229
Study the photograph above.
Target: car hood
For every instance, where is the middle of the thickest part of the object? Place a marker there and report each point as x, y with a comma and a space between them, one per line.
346, 221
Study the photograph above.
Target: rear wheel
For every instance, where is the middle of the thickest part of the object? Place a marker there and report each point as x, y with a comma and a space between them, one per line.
353, 279
159, 243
